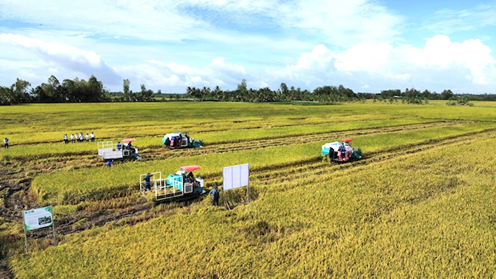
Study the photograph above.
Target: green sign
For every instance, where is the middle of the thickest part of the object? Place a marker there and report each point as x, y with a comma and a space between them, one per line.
38, 218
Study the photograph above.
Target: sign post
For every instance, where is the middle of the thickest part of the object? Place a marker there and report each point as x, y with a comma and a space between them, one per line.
236, 177
36, 219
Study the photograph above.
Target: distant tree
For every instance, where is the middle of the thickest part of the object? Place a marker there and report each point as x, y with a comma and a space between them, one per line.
205, 93
73, 91
447, 94
426, 94
145, 95
285, 95
16, 94
6, 96
125, 85
217, 93
391, 93
242, 91
94, 90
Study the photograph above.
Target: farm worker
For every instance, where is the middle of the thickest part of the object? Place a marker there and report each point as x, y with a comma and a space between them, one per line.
109, 163
341, 150
187, 138
215, 195
190, 176
72, 138
179, 140
66, 139
148, 186
129, 146
87, 137
119, 146
6, 142
92, 135
81, 137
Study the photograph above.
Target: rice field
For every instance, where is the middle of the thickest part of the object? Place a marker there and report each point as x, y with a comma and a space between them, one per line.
419, 203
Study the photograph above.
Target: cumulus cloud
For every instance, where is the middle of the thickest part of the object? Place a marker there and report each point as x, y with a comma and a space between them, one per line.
175, 78
170, 45
68, 57
440, 63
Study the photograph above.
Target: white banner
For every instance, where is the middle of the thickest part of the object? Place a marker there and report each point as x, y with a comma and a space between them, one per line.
236, 176
38, 218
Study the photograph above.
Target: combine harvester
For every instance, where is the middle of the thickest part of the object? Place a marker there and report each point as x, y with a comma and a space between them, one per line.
176, 187
177, 140
107, 152
341, 152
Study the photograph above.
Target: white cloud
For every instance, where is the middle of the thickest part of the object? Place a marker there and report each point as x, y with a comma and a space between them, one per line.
449, 21
343, 23
377, 66
365, 57
175, 78
65, 56
170, 45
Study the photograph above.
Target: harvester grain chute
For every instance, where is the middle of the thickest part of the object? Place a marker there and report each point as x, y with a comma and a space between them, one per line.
178, 140
182, 185
341, 152
108, 151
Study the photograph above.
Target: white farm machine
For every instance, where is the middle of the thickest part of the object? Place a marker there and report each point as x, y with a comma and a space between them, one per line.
176, 187
108, 151
177, 140
341, 152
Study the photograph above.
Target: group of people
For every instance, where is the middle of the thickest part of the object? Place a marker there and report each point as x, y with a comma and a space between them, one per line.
79, 137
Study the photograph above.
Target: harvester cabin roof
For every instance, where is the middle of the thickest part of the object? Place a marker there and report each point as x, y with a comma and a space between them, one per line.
128, 140
175, 134
190, 168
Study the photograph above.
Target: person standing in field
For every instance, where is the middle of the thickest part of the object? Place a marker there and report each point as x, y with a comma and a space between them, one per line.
148, 186
187, 138
66, 139
215, 195
92, 135
81, 137
6, 142
72, 138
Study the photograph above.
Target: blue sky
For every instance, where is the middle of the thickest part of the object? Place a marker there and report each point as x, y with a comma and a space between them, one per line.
365, 45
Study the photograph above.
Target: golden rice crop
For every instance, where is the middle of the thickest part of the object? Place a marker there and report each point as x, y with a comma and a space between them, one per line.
414, 216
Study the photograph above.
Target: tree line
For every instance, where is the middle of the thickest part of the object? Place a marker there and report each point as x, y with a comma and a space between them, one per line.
92, 90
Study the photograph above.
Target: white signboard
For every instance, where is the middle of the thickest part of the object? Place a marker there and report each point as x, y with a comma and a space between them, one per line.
236, 176
38, 218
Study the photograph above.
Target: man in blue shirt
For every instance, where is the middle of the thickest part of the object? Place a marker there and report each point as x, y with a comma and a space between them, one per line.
215, 195
148, 186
